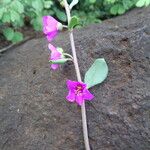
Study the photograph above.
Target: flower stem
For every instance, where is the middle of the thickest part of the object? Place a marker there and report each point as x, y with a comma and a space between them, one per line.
65, 54
65, 26
83, 110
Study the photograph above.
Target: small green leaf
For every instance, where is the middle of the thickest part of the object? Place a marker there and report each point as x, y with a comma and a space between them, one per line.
92, 1
17, 37
8, 33
1, 12
6, 1
37, 23
37, 5
17, 6
140, 3
73, 22
97, 73
48, 4
61, 15
6, 17
147, 3
59, 61
114, 9
127, 4
121, 10
14, 16
73, 3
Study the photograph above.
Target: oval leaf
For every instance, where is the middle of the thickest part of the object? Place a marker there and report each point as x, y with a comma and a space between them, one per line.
73, 22
97, 73
140, 3
18, 37
8, 33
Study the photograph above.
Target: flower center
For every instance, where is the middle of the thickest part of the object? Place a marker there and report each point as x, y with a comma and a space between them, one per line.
79, 90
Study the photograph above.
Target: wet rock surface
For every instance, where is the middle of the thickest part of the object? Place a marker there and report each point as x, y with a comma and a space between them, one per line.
34, 114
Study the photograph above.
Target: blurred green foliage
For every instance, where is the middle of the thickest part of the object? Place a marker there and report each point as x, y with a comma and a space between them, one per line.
15, 14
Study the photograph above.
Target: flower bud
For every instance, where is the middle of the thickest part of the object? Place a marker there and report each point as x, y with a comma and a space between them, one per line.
59, 26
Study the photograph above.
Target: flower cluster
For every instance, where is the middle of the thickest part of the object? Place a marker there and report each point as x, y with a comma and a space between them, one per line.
51, 27
78, 91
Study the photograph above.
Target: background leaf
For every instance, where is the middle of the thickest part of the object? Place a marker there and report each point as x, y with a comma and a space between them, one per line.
17, 6
1, 12
8, 33
141, 3
17, 37
37, 5
97, 73
61, 15
6, 17
14, 15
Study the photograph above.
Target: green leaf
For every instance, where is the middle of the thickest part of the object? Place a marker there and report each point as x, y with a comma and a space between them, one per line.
61, 15
147, 3
73, 22
14, 15
140, 3
2, 10
48, 4
17, 37
37, 5
59, 61
121, 9
97, 73
8, 33
73, 3
6, 1
17, 6
92, 1
6, 17
127, 4
37, 23
114, 9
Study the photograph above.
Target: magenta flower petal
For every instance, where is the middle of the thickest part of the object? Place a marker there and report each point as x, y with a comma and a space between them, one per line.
52, 35
50, 27
51, 47
71, 97
55, 55
78, 92
87, 95
71, 84
49, 24
54, 66
79, 100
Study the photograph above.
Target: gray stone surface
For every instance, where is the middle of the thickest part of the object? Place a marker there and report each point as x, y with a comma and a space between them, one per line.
34, 114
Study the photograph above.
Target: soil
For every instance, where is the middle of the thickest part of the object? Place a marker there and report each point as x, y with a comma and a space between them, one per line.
34, 114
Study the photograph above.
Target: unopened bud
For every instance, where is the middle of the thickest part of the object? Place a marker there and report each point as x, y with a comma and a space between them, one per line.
59, 26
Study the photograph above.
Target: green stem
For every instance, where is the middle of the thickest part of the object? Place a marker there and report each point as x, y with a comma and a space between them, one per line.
66, 54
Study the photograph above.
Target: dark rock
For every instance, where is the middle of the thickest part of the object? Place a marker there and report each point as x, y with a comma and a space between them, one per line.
34, 114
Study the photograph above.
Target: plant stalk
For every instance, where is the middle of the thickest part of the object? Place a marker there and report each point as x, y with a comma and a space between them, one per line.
83, 110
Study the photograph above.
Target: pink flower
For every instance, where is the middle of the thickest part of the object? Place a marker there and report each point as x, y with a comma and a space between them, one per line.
78, 92
55, 55
51, 27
